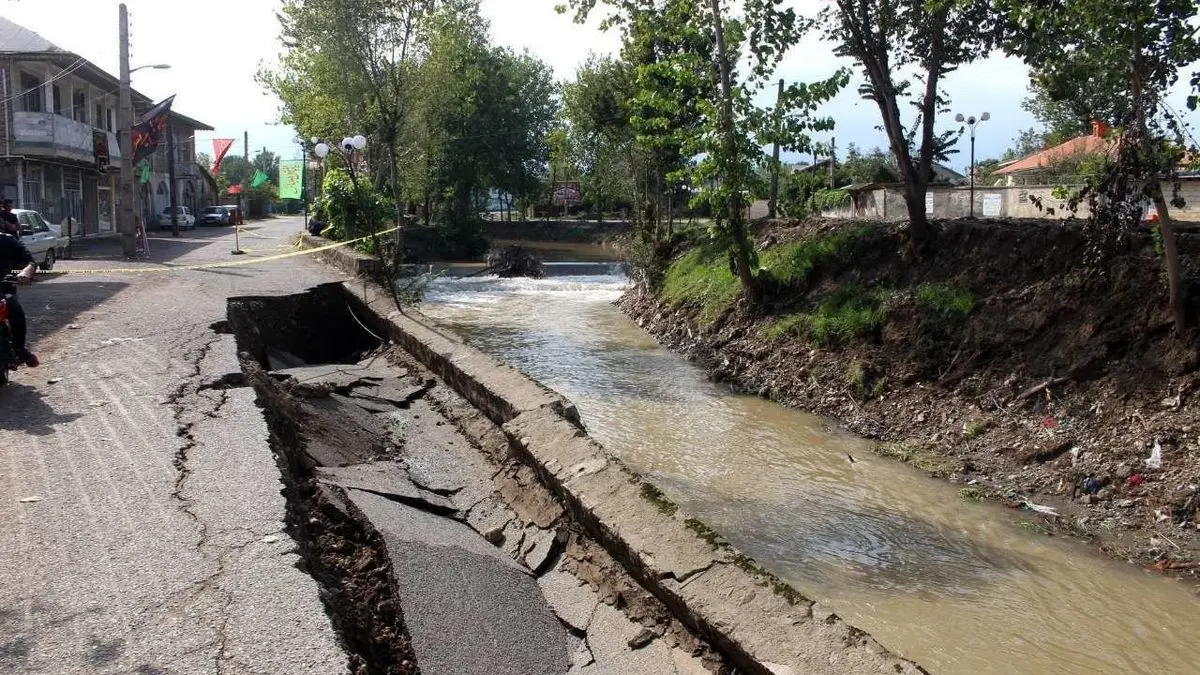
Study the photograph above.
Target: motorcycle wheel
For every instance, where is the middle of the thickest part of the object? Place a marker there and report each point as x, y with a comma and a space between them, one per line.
7, 355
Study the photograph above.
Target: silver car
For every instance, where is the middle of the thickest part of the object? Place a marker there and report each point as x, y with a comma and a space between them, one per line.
44, 241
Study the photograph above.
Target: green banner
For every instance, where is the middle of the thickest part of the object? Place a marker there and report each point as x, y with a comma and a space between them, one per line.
260, 177
291, 179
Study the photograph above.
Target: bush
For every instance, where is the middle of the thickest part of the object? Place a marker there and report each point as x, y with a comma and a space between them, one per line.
946, 302
352, 212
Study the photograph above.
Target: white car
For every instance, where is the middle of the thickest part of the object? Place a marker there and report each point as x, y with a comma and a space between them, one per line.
187, 221
44, 241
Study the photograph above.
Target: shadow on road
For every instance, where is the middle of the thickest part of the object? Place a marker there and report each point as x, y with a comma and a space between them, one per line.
25, 411
55, 301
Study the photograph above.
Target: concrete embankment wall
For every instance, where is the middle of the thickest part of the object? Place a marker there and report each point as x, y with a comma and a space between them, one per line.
758, 622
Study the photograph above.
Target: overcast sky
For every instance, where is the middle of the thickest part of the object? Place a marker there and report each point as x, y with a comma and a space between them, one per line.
216, 47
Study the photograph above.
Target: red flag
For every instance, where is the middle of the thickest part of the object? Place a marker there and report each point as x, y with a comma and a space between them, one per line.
220, 147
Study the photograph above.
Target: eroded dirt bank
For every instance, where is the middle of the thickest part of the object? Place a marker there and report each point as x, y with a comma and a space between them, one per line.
1000, 363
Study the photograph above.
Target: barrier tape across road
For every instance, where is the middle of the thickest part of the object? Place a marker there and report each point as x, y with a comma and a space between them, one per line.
243, 262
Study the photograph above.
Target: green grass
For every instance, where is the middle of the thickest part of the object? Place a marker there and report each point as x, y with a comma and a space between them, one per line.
701, 275
792, 323
793, 263
925, 459
945, 301
851, 313
656, 497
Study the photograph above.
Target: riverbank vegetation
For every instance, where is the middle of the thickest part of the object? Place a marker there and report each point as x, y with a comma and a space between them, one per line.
999, 361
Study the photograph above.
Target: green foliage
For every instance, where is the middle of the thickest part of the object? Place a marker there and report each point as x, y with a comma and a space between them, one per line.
849, 314
828, 200
889, 39
351, 212
702, 276
944, 301
786, 325
793, 263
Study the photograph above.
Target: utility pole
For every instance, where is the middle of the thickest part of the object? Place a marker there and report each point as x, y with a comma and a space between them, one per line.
773, 205
246, 153
832, 163
171, 178
126, 193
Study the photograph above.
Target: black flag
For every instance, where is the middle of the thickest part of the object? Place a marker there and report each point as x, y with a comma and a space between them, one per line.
150, 130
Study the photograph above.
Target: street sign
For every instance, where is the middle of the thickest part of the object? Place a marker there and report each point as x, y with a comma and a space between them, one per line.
567, 194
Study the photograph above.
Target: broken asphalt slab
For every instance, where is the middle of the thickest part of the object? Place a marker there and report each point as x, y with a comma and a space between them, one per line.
469, 608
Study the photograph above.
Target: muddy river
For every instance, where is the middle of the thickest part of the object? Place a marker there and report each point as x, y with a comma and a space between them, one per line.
960, 588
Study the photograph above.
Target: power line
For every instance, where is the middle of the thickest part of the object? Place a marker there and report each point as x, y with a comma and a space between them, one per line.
66, 71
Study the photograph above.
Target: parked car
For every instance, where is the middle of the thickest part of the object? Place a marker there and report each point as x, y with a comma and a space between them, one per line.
216, 215
43, 240
186, 220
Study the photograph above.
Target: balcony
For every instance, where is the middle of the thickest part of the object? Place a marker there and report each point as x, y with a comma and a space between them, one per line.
53, 136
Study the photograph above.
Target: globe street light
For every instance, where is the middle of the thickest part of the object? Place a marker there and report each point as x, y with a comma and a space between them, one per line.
972, 123
348, 146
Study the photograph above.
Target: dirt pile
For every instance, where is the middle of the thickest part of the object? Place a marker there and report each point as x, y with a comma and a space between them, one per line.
1000, 362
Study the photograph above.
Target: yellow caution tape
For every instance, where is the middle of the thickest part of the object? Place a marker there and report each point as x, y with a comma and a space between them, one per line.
244, 262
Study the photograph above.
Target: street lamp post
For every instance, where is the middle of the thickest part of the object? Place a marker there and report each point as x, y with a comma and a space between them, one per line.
971, 123
348, 146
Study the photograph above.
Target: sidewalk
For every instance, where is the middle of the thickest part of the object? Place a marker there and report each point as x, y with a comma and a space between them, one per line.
142, 515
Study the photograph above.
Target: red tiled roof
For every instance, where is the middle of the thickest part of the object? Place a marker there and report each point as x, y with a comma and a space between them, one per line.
1083, 145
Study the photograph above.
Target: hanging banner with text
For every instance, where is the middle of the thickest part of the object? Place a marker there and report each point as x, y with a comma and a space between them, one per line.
291, 179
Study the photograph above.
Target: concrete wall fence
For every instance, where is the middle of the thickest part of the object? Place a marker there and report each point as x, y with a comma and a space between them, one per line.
887, 203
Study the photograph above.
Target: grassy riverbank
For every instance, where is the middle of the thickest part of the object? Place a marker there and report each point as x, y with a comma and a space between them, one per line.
999, 362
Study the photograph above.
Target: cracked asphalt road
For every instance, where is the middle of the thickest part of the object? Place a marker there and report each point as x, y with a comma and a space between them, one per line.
140, 512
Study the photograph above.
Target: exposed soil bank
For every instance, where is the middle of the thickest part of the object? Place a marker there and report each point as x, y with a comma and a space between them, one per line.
999, 362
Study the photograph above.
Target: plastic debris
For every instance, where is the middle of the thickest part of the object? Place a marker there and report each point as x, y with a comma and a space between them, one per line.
1049, 423
1136, 480
30, 500
1091, 485
1047, 510
1154, 461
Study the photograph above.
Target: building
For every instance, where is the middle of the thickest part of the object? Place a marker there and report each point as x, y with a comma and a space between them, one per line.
58, 124
1057, 164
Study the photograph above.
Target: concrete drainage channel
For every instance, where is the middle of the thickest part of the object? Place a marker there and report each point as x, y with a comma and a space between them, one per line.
459, 520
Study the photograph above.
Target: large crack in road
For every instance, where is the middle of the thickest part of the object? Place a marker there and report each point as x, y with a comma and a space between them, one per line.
435, 549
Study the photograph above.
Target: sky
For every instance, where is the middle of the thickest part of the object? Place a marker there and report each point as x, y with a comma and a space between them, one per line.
216, 47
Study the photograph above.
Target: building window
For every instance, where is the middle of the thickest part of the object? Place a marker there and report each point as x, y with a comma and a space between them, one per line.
58, 101
32, 179
31, 96
98, 120
79, 107
111, 124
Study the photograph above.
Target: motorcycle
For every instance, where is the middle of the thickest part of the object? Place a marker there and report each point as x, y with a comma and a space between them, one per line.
8, 352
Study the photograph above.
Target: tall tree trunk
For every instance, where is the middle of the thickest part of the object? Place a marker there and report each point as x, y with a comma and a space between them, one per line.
741, 241
1166, 228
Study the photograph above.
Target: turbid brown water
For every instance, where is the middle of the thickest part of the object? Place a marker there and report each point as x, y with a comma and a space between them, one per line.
961, 588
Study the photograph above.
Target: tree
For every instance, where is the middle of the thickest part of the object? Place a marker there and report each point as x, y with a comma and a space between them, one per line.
267, 162
888, 37
722, 128
1135, 49
204, 160
596, 118
235, 170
